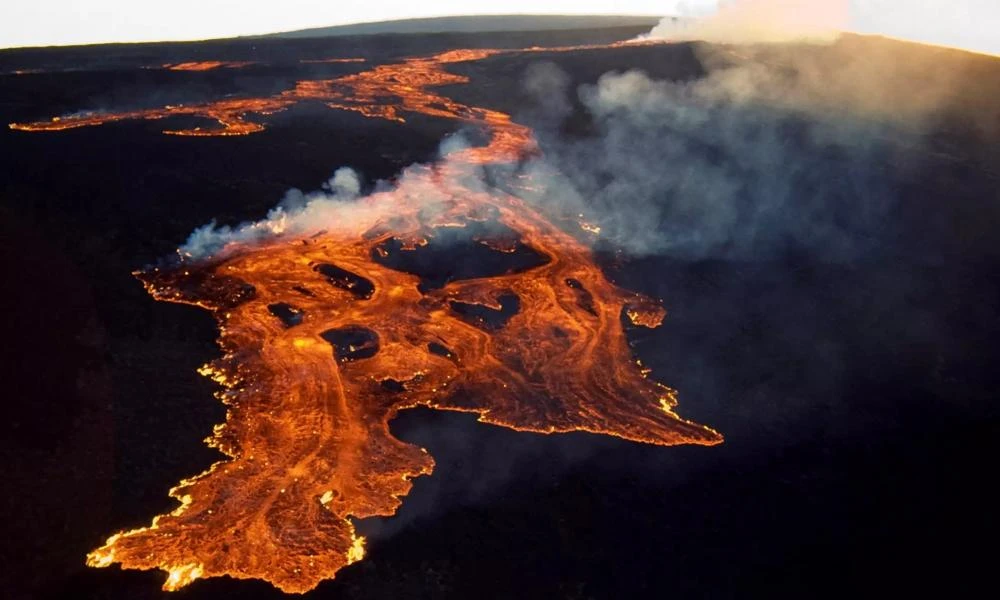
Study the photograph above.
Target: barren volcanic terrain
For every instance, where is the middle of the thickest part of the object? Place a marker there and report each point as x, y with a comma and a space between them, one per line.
487, 251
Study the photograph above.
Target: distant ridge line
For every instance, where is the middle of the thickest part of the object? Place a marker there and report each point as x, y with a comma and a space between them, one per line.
472, 24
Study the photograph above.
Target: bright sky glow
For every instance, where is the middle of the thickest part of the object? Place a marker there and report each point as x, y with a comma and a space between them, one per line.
973, 24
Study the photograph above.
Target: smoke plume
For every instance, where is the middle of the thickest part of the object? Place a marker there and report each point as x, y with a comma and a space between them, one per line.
335, 207
778, 148
756, 21
967, 24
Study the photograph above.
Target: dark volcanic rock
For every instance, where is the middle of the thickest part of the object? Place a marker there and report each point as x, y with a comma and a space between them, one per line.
858, 397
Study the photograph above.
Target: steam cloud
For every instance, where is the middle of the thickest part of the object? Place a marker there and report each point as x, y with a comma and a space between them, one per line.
335, 207
755, 21
757, 158
967, 24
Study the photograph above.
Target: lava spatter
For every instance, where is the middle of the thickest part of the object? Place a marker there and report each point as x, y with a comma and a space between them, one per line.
325, 342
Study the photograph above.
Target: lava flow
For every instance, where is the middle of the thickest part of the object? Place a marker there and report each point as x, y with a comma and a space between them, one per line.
207, 65
329, 61
385, 91
327, 334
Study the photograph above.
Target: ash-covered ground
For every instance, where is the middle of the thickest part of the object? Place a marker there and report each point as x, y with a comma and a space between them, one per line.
825, 240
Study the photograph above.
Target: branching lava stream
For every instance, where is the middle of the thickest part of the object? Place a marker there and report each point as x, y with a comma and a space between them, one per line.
325, 341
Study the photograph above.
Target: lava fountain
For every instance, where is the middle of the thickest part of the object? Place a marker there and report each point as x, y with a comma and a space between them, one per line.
327, 335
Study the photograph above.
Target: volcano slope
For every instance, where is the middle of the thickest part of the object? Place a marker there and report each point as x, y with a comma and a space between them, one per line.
853, 385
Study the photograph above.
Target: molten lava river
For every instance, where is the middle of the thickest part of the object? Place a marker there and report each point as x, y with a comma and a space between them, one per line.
327, 336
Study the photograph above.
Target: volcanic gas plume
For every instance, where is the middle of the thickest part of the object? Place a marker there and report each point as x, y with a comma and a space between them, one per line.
327, 335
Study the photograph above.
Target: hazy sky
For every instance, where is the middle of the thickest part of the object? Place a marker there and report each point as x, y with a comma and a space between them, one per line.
34, 22
972, 24
967, 23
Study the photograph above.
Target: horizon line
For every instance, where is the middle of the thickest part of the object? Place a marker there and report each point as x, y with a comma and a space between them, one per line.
352, 24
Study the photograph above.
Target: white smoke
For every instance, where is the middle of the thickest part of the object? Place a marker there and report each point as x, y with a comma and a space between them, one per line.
297, 213
777, 147
777, 144
754, 21
967, 24
703, 170
339, 207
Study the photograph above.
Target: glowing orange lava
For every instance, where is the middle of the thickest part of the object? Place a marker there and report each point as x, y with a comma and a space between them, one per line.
324, 343
323, 61
207, 65
390, 83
